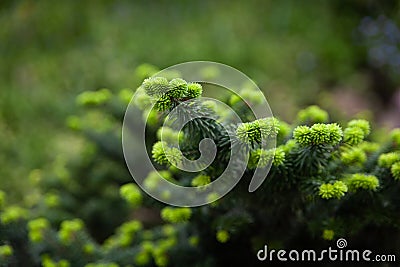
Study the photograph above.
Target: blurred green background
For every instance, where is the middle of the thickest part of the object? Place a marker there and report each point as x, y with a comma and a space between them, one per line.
341, 55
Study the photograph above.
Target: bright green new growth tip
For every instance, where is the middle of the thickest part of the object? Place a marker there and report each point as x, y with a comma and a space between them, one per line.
253, 133
336, 190
318, 134
166, 94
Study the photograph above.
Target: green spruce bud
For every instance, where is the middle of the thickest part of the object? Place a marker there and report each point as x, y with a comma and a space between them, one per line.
302, 135
279, 156
178, 88
166, 195
174, 156
98, 121
156, 86
284, 129
312, 114
361, 124
89, 248
6, 251
353, 135
289, 146
74, 123
141, 100
252, 133
126, 232
211, 105
110, 243
268, 126
326, 191
210, 72
320, 134
194, 241
151, 117
151, 181
362, 181
335, 133
339, 188
395, 136
353, 156
194, 90
13, 214
328, 234
147, 246
168, 230
395, 170
131, 193
201, 180
51, 200
234, 99
142, 258
68, 230
168, 243
94, 98
248, 133
125, 95
169, 135
388, 159
222, 236
260, 158
176, 215
335, 190
130, 227
163, 103
212, 199
48, 262
161, 260
159, 152
145, 70
369, 147
36, 228
165, 175
251, 96
35, 176
125, 240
